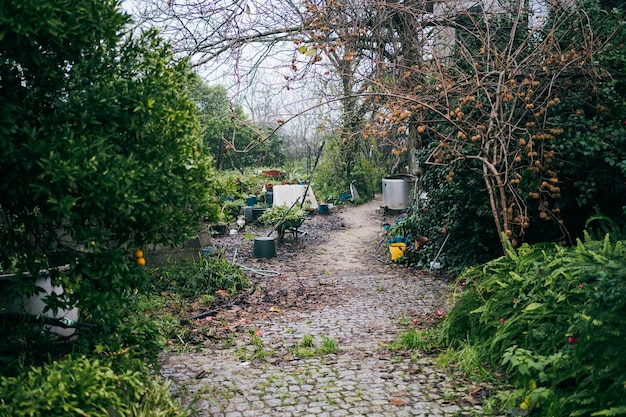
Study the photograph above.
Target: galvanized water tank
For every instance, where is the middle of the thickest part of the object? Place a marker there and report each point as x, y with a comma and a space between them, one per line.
396, 191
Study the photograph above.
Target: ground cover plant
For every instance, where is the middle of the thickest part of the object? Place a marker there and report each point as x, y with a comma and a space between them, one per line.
552, 318
83, 386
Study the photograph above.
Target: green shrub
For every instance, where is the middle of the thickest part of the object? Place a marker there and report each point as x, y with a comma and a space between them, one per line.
455, 210
460, 323
140, 336
102, 154
79, 386
211, 273
555, 317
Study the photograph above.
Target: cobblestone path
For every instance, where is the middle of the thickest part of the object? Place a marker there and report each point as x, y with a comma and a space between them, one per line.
284, 371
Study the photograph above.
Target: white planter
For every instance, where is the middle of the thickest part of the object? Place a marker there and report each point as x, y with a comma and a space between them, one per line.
35, 304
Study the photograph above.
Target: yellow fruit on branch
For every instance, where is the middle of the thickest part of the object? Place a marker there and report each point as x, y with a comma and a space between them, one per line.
138, 253
141, 261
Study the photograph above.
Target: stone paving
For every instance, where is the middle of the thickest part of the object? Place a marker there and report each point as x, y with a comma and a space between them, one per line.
362, 378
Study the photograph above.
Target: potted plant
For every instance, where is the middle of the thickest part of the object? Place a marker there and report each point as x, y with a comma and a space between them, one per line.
283, 218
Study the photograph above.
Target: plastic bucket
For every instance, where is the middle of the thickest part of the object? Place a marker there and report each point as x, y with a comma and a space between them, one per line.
322, 209
264, 247
257, 212
251, 201
269, 198
397, 250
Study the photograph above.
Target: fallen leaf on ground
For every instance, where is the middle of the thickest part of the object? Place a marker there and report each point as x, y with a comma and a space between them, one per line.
397, 401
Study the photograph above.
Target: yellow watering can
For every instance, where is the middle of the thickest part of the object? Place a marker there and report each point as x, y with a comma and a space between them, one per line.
397, 250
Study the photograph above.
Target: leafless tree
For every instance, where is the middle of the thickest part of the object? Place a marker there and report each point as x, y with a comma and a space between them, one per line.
250, 47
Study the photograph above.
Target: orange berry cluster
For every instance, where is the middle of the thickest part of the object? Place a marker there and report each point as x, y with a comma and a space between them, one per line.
141, 261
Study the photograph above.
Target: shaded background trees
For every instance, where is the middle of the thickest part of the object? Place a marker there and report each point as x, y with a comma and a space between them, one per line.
234, 141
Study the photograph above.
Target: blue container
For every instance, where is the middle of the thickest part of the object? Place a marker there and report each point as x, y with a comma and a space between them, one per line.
322, 209
250, 201
269, 198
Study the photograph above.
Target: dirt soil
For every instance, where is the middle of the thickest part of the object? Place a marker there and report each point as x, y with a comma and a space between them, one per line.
349, 239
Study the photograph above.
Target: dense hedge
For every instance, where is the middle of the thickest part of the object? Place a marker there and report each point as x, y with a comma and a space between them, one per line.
455, 213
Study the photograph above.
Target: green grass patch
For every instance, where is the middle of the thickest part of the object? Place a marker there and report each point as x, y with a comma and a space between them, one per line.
427, 340
307, 347
190, 279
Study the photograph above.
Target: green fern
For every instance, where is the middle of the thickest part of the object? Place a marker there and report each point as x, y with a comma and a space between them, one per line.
613, 411
565, 307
